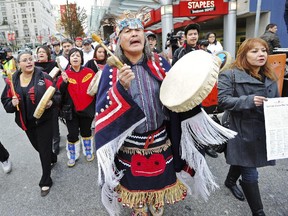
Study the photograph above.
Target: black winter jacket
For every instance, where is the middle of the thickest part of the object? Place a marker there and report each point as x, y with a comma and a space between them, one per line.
40, 82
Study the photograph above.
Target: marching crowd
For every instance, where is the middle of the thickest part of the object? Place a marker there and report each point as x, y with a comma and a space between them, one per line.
138, 142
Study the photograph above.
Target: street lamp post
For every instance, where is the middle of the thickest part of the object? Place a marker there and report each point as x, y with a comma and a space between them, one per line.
166, 19
230, 28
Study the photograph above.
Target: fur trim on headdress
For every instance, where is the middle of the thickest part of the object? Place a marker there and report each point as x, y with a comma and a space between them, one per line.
128, 19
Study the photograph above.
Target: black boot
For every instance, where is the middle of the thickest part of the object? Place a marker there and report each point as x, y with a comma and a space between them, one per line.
211, 152
55, 145
252, 193
230, 182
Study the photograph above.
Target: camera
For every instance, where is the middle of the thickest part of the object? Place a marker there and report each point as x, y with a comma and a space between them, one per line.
172, 39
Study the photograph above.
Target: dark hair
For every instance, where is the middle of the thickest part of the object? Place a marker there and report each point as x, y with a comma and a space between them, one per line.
47, 50
204, 42
192, 26
105, 52
56, 43
8, 49
208, 34
67, 40
73, 50
271, 25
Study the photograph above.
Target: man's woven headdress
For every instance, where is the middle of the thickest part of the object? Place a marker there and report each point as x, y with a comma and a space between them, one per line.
128, 19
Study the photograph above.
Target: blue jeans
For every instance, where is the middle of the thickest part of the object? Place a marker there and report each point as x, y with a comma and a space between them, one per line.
249, 174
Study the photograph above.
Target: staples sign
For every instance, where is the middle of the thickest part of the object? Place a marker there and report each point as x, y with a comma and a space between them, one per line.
203, 7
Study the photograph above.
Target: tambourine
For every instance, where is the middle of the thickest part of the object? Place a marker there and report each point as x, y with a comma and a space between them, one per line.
43, 102
189, 81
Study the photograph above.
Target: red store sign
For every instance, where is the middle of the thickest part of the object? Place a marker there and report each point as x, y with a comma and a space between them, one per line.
202, 7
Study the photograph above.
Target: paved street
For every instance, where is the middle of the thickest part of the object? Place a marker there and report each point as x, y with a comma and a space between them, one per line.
75, 190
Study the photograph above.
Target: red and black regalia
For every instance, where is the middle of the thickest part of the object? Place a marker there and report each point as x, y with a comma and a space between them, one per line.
138, 161
78, 110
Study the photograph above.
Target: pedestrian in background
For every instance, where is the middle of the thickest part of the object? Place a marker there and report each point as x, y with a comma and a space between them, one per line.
191, 33
242, 91
4, 159
88, 51
152, 40
67, 44
79, 42
57, 51
99, 59
8, 63
271, 37
78, 107
214, 45
30, 84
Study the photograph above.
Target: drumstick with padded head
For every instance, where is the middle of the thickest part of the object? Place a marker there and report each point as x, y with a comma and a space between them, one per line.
9, 75
59, 65
113, 60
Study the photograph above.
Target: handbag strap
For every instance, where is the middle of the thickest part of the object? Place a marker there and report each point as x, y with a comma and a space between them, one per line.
233, 81
215, 112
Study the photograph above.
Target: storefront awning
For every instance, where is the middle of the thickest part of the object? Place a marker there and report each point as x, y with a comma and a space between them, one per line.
184, 11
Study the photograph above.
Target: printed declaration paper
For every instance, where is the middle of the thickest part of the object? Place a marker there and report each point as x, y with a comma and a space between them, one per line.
276, 124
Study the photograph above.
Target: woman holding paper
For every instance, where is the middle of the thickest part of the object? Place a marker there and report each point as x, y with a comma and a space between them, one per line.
242, 91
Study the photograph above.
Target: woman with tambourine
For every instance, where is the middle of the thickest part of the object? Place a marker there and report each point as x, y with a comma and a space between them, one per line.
78, 107
21, 96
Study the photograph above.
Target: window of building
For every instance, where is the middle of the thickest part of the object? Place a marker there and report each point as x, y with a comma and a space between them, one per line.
26, 33
22, 4
24, 21
34, 20
24, 16
23, 10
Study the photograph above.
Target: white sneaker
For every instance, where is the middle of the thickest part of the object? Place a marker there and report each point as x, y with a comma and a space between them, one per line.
7, 166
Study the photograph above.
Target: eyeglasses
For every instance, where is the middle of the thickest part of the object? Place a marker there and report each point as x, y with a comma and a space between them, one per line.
151, 39
27, 59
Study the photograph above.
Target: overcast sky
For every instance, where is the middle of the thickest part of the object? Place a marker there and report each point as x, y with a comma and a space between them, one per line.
82, 3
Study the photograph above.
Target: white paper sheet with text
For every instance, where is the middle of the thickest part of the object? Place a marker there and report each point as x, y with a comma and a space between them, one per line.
276, 124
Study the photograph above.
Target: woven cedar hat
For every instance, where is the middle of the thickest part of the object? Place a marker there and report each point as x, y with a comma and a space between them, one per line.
128, 19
